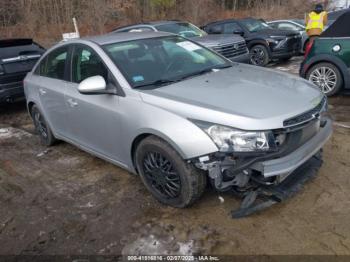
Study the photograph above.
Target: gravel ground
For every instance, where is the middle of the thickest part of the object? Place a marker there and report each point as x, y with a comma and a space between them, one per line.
64, 201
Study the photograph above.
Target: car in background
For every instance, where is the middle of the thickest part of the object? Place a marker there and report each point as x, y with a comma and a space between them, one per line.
17, 58
327, 59
292, 24
264, 42
333, 16
179, 115
231, 47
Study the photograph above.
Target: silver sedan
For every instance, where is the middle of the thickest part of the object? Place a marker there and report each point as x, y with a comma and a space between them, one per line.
178, 114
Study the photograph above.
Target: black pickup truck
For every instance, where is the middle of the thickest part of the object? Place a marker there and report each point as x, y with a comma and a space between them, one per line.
17, 58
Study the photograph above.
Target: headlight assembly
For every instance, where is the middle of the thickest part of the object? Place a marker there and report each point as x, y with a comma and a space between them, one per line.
228, 139
278, 41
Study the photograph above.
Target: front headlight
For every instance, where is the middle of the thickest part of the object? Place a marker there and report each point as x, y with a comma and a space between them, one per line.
229, 139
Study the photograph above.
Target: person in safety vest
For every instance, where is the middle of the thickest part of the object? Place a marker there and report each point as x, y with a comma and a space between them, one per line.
316, 21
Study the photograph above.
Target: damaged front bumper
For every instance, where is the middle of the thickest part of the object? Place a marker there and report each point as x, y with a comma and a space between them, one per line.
266, 180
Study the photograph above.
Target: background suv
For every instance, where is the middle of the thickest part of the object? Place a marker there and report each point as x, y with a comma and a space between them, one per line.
295, 25
232, 47
264, 42
17, 58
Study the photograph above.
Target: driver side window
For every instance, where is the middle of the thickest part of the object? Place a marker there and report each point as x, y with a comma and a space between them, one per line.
87, 63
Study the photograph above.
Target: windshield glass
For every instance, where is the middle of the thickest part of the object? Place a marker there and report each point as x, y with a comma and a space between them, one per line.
159, 61
254, 25
183, 29
300, 22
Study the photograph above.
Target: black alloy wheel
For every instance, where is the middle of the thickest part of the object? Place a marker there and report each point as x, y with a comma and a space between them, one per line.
259, 55
162, 175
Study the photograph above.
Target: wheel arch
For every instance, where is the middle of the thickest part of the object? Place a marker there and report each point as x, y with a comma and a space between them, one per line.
253, 43
30, 105
345, 73
147, 133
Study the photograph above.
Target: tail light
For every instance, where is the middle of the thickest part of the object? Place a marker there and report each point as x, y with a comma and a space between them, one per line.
308, 48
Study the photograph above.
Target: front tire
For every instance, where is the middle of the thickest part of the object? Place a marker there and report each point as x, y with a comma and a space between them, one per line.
42, 128
170, 179
327, 77
259, 55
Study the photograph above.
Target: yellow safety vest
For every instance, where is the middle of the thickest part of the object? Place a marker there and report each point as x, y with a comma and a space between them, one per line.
315, 21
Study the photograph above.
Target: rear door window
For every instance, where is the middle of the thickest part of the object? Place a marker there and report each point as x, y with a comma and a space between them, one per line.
54, 65
288, 26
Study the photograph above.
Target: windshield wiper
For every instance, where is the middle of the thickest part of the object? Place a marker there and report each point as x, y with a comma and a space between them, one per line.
205, 71
159, 82
162, 82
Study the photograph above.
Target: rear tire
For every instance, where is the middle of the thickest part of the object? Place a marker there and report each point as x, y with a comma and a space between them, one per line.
259, 55
170, 179
42, 128
327, 77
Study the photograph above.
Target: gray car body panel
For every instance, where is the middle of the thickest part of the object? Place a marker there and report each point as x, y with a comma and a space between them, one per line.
234, 98
107, 125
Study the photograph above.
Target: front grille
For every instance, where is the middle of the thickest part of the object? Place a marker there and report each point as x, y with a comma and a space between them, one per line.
231, 50
307, 116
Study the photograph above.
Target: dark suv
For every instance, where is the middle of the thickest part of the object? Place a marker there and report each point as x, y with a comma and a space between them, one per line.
17, 58
232, 47
264, 42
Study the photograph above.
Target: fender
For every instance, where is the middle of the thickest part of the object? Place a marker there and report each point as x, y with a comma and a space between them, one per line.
251, 43
184, 136
330, 59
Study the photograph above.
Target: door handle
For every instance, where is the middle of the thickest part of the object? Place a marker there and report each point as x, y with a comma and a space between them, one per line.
42, 91
72, 102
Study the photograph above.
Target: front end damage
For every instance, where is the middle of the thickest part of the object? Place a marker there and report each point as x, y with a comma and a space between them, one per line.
264, 179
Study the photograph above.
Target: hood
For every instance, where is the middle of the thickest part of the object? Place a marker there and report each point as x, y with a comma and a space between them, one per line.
276, 32
243, 96
214, 40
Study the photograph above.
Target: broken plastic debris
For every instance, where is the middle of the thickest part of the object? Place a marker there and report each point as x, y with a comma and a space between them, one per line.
43, 153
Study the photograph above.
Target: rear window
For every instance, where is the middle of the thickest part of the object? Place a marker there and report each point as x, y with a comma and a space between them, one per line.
15, 42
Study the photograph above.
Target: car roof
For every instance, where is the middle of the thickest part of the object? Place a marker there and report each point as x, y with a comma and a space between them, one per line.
232, 20
123, 37
151, 23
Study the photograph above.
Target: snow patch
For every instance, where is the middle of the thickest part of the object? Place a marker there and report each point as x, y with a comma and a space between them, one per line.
10, 132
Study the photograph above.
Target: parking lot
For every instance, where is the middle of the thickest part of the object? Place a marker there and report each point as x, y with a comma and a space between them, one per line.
64, 201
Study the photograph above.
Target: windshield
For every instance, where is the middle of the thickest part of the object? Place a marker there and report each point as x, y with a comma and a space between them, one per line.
160, 61
254, 25
183, 29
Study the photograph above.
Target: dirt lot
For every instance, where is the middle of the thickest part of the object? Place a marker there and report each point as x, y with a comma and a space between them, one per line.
65, 201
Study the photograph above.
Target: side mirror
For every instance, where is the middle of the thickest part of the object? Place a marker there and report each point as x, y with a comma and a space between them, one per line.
238, 32
93, 85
